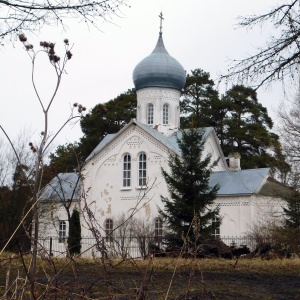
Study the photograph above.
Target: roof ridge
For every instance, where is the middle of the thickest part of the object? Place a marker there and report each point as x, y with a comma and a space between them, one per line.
242, 170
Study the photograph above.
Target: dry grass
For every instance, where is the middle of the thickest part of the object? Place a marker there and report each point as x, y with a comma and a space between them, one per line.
151, 278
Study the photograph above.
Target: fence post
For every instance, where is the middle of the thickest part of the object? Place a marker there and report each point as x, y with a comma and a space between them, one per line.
51, 254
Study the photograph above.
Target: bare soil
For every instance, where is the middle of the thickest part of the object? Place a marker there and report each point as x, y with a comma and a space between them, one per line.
162, 278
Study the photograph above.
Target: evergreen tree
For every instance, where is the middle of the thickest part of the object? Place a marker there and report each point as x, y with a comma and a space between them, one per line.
292, 197
292, 210
198, 92
14, 204
107, 118
247, 129
103, 119
242, 124
191, 197
74, 239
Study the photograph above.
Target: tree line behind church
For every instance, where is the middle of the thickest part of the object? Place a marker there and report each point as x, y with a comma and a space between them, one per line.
242, 124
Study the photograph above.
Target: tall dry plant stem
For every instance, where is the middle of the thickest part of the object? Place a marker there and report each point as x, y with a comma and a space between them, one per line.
39, 149
177, 260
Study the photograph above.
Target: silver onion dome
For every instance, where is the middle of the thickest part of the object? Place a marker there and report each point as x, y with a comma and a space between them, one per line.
159, 69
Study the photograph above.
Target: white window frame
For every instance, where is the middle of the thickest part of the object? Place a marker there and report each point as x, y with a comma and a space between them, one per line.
150, 114
216, 222
126, 170
62, 231
166, 114
109, 226
158, 229
142, 170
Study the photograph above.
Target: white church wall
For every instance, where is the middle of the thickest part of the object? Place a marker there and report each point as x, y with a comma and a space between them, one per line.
268, 210
51, 237
212, 148
241, 214
104, 178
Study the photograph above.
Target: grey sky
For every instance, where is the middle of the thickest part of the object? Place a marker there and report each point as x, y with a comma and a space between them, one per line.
198, 33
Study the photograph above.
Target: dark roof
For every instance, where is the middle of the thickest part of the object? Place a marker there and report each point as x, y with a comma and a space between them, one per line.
159, 69
274, 188
63, 187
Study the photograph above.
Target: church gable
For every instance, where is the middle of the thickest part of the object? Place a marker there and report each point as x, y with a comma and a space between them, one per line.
212, 147
132, 138
124, 168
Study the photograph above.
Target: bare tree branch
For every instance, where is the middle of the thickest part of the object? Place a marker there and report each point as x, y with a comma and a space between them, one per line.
279, 58
22, 16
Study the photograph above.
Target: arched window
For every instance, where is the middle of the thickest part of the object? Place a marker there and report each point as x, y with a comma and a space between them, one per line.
109, 226
158, 230
126, 170
62, 231
166, 114
150, 113
142, 169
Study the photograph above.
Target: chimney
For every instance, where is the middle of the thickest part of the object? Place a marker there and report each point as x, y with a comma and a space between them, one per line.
234, 161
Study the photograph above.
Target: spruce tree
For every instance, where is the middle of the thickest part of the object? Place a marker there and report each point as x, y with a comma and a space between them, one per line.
292, 208
191, 198
74, 239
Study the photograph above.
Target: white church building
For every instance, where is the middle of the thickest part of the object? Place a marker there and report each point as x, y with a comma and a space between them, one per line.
122, 176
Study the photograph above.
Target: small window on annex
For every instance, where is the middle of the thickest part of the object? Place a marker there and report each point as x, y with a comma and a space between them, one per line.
142, 169
166, 114
127, 170
109, 226
150, 113
62, 231
216, 222
158, 230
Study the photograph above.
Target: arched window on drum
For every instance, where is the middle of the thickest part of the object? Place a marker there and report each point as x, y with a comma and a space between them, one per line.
165, 114
150, 114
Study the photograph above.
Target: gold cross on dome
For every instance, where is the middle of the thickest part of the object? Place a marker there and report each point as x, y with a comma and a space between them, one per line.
161, 18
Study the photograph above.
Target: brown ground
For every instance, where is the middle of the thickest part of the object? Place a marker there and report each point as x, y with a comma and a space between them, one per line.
150, 279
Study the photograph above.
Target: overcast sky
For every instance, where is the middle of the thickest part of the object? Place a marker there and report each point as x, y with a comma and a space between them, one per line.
198, 33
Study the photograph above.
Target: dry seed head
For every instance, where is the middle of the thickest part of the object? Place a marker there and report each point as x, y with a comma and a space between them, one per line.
56, 58
66, 41
22, 37
75, 104
28, 47
69, 54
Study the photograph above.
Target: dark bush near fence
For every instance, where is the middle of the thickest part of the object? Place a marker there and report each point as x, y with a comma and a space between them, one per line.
226, 247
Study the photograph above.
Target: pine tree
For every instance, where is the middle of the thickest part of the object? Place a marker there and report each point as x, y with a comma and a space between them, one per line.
292, 211
191, 197
74, 239
292, 208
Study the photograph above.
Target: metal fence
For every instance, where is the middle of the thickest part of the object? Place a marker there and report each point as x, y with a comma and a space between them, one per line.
124, 247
